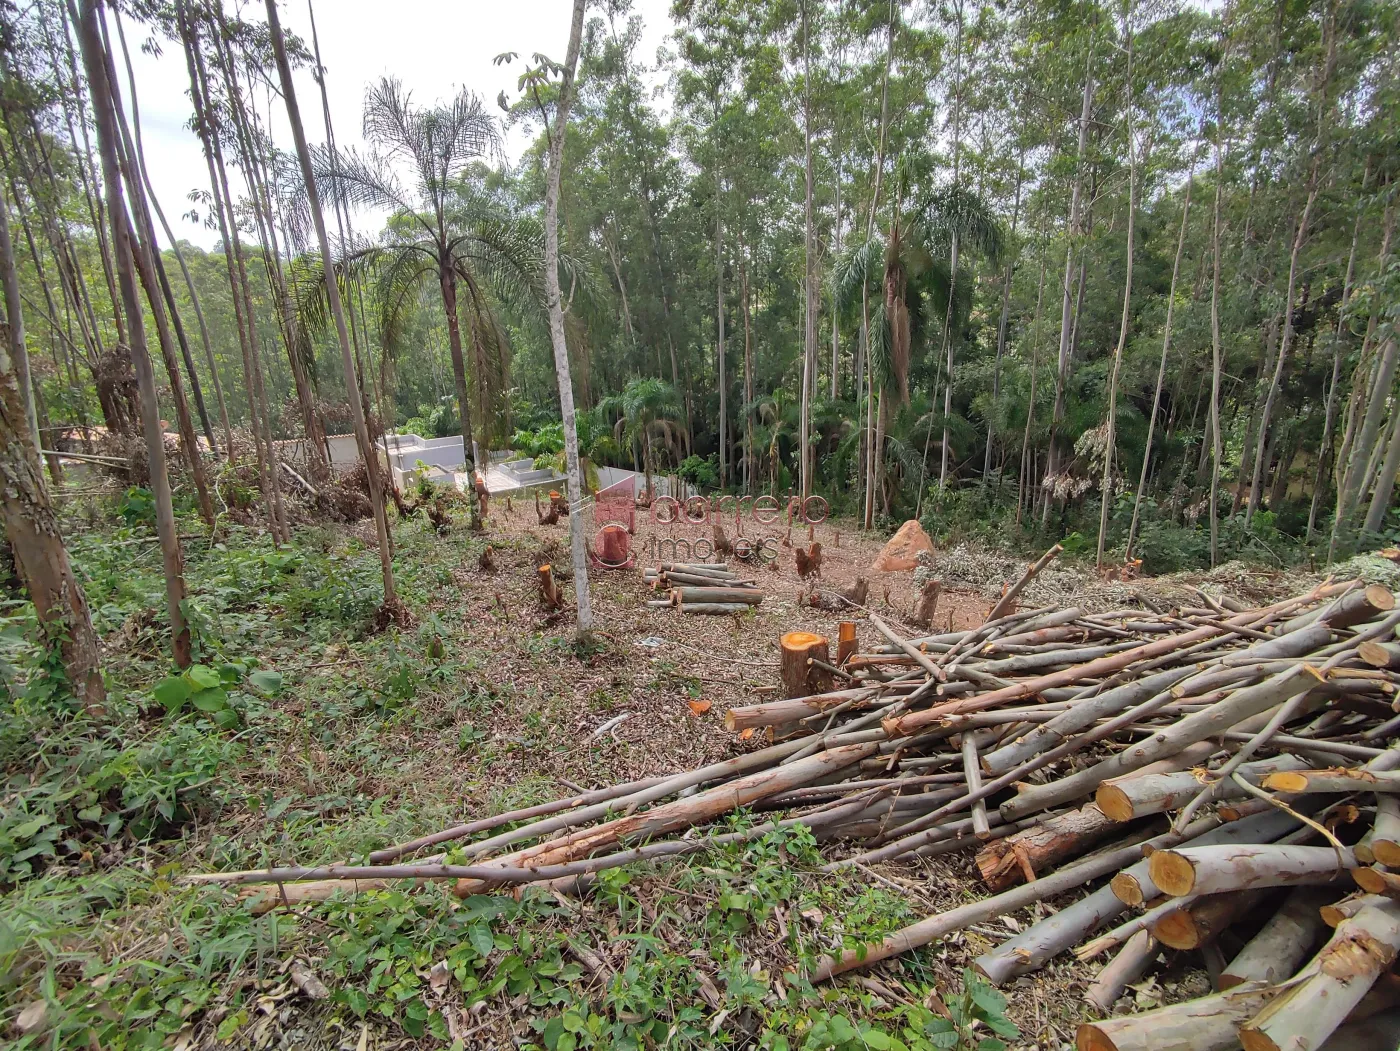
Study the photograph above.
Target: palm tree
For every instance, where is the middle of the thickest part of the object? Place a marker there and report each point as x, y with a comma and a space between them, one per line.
906, 272
647, 413
441, 227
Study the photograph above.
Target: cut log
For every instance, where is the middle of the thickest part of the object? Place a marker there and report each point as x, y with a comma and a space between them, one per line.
846, 642
1282, 943
1007, 600
1380, 654
714, 609
1321, 996
776, 713
799, 678
1377, 881
1207, 1024
1005, 863
741, 595
1212, 870
1354, 607
1126, 798
1337, 781
1385, 838
704, 580
972, 775
1128, 966
1200, 922
1037, 945
1340, 911
550, 594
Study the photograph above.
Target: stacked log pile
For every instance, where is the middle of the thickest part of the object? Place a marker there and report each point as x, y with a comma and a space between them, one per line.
1204, 779
702, 588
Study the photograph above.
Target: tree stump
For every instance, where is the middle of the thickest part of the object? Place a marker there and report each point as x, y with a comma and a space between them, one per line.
845, 642
927, 605
799, 678
614, 546
549, 589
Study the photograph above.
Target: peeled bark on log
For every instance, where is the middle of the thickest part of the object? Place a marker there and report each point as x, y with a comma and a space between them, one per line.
1007, 600
550, 594
799, 678
1336, 781
1037, 945
1206, 1024
1213, 870
1324, 993
1274, 954
1377, 881
1194, 925
1128, 966
943, 923
743, 596
1385, 837
1134, 796
846, 642
1006, 862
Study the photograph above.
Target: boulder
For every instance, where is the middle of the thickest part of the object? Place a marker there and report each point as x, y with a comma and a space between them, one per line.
902, 551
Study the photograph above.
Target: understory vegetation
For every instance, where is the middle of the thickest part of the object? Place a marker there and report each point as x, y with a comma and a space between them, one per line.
297, 735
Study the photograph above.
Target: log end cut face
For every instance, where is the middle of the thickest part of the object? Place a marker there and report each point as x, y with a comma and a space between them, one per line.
1173, 873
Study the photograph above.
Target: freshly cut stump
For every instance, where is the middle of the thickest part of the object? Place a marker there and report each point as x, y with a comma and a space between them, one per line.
799, 678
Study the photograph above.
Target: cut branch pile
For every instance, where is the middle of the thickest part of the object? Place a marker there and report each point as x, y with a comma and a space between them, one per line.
1227, 779
702, 588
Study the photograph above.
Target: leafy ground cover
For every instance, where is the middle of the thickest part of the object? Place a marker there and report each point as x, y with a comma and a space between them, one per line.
301, 736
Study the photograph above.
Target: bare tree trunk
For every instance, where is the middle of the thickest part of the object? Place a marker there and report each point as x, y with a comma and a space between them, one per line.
1067, 300
1385, 481
1216, 445
347, 363
96, 65
1162, 367
582, 596
1027, 476
1329, 419
30, 524
949, 336
750, 463
1005, 316
809, 284
719, 340
1105, 487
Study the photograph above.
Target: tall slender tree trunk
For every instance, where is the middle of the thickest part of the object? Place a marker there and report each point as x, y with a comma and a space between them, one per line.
1027, 472
1216, 443
1162, 365
1110, 439
104, 112
1330, 413
719, 340
750, 464
949, 336
1385, 481
582, 596
17, 345
1004, 319
809, 283
347, 363
1067, 302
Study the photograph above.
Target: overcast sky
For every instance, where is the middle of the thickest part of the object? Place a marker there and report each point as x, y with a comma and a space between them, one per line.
434, 46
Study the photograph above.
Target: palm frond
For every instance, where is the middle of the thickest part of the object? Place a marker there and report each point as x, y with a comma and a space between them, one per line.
956, 209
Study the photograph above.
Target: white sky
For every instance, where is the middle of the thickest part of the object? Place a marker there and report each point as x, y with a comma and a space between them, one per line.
433, 46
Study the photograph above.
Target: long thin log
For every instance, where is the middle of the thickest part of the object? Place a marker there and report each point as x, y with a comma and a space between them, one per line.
1134, 796
972, 774
1007, 600
745, 596
1037, 945
1282, 943
714, 609
1211, 870
1058, 882
471, 828
1324, 993
1337, 781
